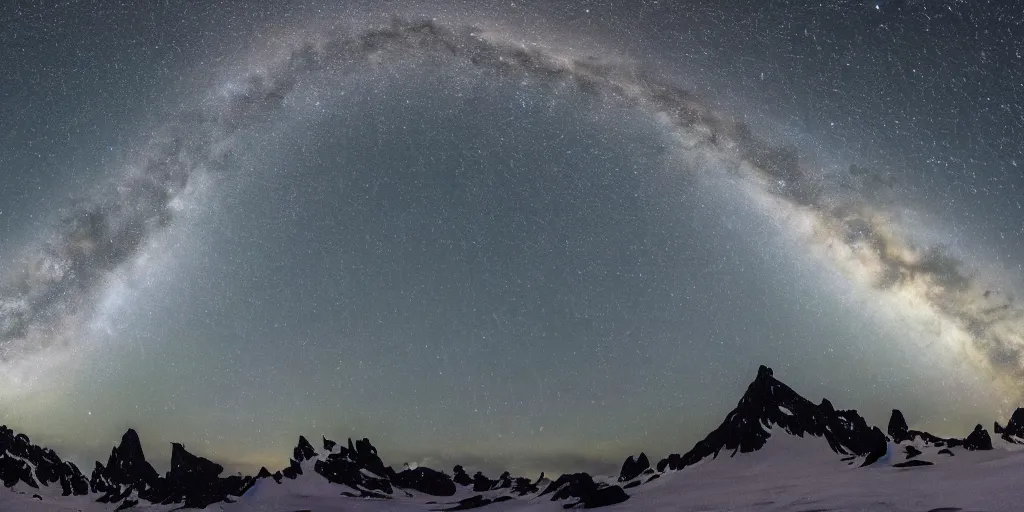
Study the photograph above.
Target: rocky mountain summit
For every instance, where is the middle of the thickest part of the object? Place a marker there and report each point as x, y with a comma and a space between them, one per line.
768, 408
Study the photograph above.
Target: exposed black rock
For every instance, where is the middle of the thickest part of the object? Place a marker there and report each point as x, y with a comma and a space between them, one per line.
768, 402
329, 445
582, 487
477, 502
460, 476
946, 451
13, 471
978, 440
22, 461
912, 464
196, 482
633, 468
303, 451
425, 480
898, 429
899, 432
634, 483
264, 473
346, 467
504, 481
192, 481
523, 486
673, 461
912, 452
1014, 430
481, 483
126, 470
293, 470
471, 503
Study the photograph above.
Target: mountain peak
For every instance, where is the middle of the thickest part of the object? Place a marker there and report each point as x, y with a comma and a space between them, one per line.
769, 403
898, 429
32, 465
304, 450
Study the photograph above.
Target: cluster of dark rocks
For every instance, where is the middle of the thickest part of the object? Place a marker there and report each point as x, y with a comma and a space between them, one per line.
23, 462
768, 401
192, 481
1013, 432
195, 482
978, 439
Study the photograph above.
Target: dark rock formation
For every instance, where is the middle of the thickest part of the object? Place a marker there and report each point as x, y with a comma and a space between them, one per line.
192, 481
127, 470
582, 487
978, 440
912, 452
477, 502
329, 445
900, 432
291, 472
946, 451
504, 481
460, 476
1014, 430
673, 461
425, 480
633, 468
481, 483
523, 486
346, 467
22, 461
770, 402
195, 481
912, 464
898, 429
303, 451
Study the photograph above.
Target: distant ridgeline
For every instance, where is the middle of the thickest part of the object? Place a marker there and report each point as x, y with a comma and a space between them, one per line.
127, 479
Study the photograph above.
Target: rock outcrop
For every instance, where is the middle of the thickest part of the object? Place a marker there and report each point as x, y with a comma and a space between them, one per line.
633, 468
581, 487
978, 439
303, 451
425, 480
769, 403
357, 466
1014, 430
192, 481
22, 462
460, 476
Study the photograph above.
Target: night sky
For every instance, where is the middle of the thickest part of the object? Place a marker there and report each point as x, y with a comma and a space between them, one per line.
519, 235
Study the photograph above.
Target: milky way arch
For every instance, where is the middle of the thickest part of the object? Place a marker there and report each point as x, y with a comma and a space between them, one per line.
55, 284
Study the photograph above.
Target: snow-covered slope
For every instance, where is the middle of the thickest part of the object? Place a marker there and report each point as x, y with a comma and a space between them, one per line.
776, 451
